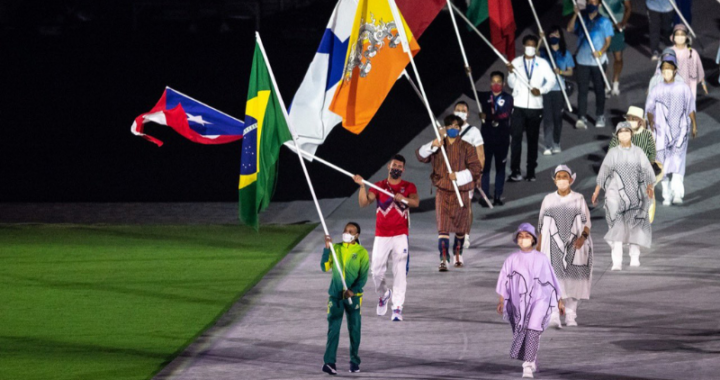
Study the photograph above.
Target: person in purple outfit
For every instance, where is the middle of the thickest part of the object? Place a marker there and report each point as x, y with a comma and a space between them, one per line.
529, 292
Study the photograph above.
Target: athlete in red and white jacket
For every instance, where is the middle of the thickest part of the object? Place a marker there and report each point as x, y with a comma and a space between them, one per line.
391, 233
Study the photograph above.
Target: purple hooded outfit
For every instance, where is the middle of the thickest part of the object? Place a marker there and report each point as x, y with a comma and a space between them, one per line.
531, 291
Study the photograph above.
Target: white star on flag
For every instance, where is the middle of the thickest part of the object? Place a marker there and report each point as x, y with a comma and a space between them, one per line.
197, 119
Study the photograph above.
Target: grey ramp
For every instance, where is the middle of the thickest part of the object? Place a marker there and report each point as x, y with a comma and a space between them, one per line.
659, 321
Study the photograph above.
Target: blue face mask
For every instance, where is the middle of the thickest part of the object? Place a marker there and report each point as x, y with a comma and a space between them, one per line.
554, 40
453, 132
590, 8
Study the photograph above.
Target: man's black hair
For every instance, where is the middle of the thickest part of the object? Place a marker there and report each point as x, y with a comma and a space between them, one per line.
530, 37
498, 74
399, 157
449, 119
462, 102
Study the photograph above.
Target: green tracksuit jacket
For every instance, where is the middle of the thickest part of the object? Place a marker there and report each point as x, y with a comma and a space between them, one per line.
355, 264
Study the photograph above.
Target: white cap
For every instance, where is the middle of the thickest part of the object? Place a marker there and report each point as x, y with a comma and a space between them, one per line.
636, 111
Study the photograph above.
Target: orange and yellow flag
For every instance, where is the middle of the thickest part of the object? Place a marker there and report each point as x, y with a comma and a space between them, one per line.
374, 61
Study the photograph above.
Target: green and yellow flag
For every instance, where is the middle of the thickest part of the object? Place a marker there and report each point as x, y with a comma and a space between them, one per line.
265, 131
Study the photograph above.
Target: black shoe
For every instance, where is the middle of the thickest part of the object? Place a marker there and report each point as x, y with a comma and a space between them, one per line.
498, 202
515, 177
483, 203
531, 178
354, 367
329, 369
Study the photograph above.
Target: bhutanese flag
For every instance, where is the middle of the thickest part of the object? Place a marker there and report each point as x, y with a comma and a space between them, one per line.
375, 59
265, 131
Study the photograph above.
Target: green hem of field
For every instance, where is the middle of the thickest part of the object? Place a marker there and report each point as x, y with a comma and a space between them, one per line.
120, 302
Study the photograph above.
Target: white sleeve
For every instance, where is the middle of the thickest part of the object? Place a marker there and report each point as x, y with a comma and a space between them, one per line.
427, 149
463, 177
477, 139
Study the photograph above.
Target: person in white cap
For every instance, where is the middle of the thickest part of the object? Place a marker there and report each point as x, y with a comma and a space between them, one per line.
628, 180
564, 237
670, 109
641, 137
529, 292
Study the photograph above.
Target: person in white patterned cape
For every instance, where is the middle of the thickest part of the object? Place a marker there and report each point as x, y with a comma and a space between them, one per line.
564, 237
529, 293
628, 180
391, 233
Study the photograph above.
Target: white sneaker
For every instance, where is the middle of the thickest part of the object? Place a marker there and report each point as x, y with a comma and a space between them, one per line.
556, 150
667, 202
547, 152
527, 373
616, 88
581, 123
600, 122
383, 302
676, 201
397, 315
570, 319
466, 244
655, 56
634, 261
616, 267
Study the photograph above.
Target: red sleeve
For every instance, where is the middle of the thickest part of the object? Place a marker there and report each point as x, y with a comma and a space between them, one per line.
374, 191
411, 189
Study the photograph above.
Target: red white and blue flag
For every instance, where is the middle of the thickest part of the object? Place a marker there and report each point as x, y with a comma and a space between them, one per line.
192, 119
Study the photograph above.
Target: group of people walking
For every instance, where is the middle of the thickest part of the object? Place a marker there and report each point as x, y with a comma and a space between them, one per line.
551, 271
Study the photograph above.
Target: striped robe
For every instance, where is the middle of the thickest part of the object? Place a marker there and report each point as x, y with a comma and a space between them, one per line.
450, 216
641, 139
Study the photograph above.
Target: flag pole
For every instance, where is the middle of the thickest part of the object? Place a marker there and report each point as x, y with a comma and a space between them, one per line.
682, 18
465, 60
302, 162
592, 46
417, 91
406, 46
550, 55
341, 170
612, 16
502, 57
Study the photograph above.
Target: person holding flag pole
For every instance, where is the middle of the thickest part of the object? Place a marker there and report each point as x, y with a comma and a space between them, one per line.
590, 60
550, 56
351, 298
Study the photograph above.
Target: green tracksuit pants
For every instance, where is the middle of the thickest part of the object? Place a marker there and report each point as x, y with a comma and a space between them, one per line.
336, 309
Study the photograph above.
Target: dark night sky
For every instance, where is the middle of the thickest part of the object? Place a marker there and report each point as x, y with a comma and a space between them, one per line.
69, 98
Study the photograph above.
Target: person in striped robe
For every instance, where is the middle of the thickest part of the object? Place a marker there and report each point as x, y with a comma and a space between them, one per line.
641, 137
466, 170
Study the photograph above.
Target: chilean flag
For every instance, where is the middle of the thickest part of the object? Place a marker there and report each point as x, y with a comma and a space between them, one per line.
194, 120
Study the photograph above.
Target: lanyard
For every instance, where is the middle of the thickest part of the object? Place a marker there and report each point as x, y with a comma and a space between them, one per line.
532, 68
494, 102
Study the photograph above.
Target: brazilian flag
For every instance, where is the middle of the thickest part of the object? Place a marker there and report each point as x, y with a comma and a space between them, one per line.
265, 131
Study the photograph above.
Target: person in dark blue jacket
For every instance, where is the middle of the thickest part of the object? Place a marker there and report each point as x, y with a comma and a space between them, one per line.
497, 106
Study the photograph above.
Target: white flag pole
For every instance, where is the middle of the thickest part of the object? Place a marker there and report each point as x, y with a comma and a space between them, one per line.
406, 47
612, 16
417, 90
502, 57
302, 162
682, 18
550, 55
341, 170
465, 60
592, 46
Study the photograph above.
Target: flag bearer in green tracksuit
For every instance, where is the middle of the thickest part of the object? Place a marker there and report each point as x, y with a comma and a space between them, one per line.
354, 262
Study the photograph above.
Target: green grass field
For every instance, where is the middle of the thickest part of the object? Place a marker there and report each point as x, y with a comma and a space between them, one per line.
120, 302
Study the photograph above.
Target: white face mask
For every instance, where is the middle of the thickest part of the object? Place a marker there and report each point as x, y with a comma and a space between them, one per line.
525, 243
530, 51
348, 238
462, 115
668, 75
624, 137
562, 184
634, 124
680, 40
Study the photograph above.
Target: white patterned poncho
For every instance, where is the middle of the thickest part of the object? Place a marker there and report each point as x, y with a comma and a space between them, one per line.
624, 175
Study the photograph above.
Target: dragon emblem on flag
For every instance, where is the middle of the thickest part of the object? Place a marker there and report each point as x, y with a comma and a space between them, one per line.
377, 34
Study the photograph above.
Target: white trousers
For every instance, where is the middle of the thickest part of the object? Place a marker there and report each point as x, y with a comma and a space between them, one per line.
383, 247
617, 252
673, 188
